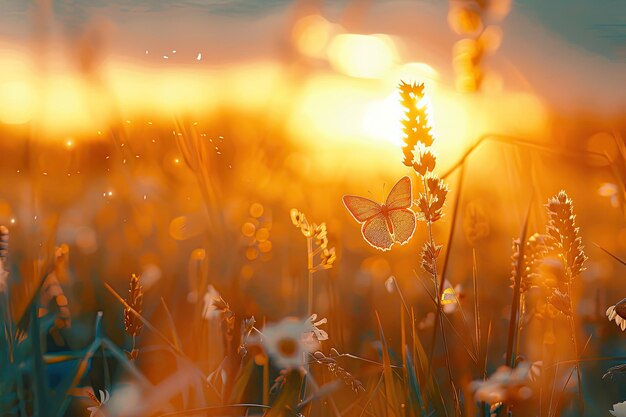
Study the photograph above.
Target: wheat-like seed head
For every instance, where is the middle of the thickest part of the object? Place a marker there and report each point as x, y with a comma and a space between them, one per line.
534, 253
429, 256
562, 234
431, 203
551, 277
328, 258
424, 160
132, 324
561, 301
339, 372
4, 245
4, 253
438, 191
299, 220
416, 128
418, 138
319, 234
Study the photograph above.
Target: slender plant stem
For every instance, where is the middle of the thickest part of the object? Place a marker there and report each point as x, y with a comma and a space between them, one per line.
310, 271
309, 252
515, 303
438, 290
573, 328
476, 310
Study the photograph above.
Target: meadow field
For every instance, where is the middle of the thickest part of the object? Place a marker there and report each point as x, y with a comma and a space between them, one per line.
310, 209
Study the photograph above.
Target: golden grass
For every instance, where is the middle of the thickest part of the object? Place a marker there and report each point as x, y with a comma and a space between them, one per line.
218, 310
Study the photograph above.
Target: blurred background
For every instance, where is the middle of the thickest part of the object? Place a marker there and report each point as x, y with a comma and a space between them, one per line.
148, 135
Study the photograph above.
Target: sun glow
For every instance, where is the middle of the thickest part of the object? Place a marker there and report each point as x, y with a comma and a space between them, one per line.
17, 102
362, 56
355, 104
311, 35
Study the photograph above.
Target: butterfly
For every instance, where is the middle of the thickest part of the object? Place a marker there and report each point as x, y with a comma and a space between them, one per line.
387, 223
451, 297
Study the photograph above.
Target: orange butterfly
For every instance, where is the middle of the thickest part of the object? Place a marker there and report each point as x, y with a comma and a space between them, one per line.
388, 223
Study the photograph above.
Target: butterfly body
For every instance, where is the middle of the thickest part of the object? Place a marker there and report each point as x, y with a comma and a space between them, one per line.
384, 224
384, 210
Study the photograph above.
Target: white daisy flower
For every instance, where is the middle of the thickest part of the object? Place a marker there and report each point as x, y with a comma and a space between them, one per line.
286, 342
95, 410
619, 409
617, 312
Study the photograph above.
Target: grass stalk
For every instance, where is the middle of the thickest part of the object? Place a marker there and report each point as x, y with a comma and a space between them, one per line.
515, 303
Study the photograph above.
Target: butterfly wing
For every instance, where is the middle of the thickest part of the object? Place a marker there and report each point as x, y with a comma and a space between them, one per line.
403, 222
376, 232
362, 209
448, 296
401, 195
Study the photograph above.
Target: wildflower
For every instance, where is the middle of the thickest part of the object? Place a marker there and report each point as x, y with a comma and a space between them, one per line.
505, 385
95, 410
211, 297
312, 326
617, 312
286, 342
619, 409
247, 325
390, 284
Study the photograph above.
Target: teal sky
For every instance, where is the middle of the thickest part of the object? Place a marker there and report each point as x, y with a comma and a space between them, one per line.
598, 26
567, 51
